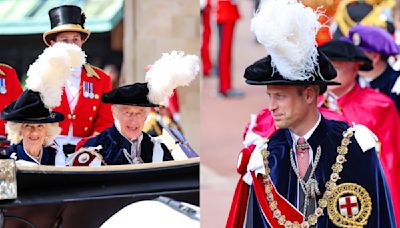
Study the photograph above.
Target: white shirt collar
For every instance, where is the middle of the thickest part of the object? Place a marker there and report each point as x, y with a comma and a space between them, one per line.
76, 71
309, 132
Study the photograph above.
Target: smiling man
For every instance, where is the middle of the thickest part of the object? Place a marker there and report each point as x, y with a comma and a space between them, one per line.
84, 113
125, 142
311, 171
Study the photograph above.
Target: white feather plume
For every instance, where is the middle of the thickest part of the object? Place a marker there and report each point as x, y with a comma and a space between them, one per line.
287, 29
170, 71
48, 73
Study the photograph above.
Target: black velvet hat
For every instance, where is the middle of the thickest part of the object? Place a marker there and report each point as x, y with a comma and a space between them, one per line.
338, 50
66, 18
262, 73
135, 94
29, 108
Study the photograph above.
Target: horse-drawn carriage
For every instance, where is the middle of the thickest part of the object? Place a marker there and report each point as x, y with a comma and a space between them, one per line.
48, 196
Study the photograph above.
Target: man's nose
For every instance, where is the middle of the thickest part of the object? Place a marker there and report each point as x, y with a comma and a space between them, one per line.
272, 105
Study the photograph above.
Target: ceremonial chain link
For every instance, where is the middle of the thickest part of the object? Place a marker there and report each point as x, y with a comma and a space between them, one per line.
312, 219
310, 188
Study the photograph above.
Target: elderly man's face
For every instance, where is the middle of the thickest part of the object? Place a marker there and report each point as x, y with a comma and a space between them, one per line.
69, 38
288, 104
131, 119
33, 134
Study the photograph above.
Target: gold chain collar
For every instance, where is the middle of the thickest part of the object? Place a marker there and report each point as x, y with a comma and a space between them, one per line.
312, 219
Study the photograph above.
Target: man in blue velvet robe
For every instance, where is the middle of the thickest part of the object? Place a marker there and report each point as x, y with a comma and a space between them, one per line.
125, 142
294, 110
310, 172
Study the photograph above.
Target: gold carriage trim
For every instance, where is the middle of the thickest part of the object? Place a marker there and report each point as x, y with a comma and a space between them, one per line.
358, 220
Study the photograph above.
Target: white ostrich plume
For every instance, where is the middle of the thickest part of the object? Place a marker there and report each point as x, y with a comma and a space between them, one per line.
170, 71
48, 73
287, 29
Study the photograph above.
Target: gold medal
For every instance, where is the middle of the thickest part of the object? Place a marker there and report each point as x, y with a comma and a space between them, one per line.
349, 206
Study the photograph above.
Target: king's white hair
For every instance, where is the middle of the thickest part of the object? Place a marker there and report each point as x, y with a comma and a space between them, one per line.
170, 71
51, 69
287, 29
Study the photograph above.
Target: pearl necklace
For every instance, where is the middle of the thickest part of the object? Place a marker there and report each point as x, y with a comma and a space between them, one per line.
312, 219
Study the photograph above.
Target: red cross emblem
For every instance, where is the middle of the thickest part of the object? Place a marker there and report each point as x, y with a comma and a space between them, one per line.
348, 206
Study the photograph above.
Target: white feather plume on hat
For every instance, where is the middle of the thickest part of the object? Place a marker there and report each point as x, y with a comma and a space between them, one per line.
51, 69
287, 29
170, 71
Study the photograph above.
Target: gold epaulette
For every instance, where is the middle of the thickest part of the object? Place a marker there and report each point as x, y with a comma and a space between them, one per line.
5, 65
152, 124
90, 71
373, 18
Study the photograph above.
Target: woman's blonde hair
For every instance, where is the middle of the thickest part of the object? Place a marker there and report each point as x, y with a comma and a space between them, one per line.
14, 132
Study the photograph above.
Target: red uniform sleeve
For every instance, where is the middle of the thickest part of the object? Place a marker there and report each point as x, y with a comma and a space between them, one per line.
104, 118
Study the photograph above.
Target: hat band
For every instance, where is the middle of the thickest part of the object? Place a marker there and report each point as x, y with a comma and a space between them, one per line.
41, 118
68, 26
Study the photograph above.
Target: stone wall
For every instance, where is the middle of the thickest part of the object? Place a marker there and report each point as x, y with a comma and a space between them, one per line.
153, 27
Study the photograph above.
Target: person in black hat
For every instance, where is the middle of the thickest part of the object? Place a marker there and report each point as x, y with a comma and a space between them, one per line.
364, 106
31, 128
125, 142
378, 45
30, 122
310, 171
84, 113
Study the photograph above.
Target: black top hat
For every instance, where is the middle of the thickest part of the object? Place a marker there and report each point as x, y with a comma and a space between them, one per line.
135, 94
262, 73
29, 108
338, 50
67, 18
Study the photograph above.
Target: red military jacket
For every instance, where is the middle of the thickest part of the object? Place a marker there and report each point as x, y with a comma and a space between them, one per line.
227, 11
90, 114
13, 89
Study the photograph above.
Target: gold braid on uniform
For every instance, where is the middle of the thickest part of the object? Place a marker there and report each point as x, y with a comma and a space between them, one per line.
152, 124
345, 22
5, 65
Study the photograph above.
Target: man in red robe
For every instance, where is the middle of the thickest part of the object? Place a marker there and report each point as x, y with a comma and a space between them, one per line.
365, 106
10, 89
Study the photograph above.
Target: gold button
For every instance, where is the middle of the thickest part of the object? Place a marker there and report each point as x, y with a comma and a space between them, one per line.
85, 129
94, 108
90, 118
69, 116
73, 116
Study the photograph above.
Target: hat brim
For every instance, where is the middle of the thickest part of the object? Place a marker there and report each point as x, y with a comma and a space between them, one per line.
54, 117
65, 28
131, 104
284, 82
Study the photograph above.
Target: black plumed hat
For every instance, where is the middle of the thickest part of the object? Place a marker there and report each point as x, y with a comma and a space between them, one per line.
29, 108
135, 94
263, 73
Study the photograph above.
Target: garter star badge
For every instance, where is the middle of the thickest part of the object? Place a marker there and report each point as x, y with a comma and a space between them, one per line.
349, 206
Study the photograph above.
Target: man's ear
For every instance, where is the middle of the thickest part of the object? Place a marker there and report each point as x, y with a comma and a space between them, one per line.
309, 94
